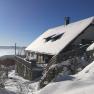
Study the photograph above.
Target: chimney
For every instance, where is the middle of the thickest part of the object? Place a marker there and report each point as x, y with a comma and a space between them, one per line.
66, 20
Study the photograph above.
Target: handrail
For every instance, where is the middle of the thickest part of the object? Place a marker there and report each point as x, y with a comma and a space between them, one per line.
21, 60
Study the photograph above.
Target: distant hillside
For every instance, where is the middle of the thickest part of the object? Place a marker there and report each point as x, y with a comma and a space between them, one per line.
11, 47
7, 60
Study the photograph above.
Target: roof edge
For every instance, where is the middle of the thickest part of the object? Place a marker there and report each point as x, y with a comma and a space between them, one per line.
40, 52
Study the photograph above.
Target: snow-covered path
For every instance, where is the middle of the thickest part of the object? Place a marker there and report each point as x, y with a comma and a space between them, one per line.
4, 91
17, 85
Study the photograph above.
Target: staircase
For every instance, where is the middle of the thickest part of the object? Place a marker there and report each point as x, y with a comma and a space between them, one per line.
52, 61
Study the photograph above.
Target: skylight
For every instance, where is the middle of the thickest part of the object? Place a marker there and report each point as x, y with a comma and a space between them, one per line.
53, 37
49, 38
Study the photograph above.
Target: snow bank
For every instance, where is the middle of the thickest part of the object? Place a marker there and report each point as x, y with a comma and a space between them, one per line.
91, 47
81, 83
87, 73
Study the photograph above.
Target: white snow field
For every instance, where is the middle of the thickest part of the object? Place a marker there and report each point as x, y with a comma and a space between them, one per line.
81, 83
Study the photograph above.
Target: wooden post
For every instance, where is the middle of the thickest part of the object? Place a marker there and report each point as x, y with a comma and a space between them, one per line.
15, 49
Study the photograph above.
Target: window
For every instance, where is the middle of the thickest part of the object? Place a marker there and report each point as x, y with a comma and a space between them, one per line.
49, 38
57, 37
53, 37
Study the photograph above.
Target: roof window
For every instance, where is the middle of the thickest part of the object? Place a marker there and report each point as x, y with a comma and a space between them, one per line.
49, 38
53, 37
57, 37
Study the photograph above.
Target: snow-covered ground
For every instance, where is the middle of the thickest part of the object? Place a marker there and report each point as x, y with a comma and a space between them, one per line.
17, 85
81, 83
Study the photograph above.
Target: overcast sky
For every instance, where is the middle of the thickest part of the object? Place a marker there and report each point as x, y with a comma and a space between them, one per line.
22, 21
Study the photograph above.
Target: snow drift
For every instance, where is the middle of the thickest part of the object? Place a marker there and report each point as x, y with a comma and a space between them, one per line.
81, 83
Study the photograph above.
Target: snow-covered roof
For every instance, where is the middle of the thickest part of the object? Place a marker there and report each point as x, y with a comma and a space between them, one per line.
54, 40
